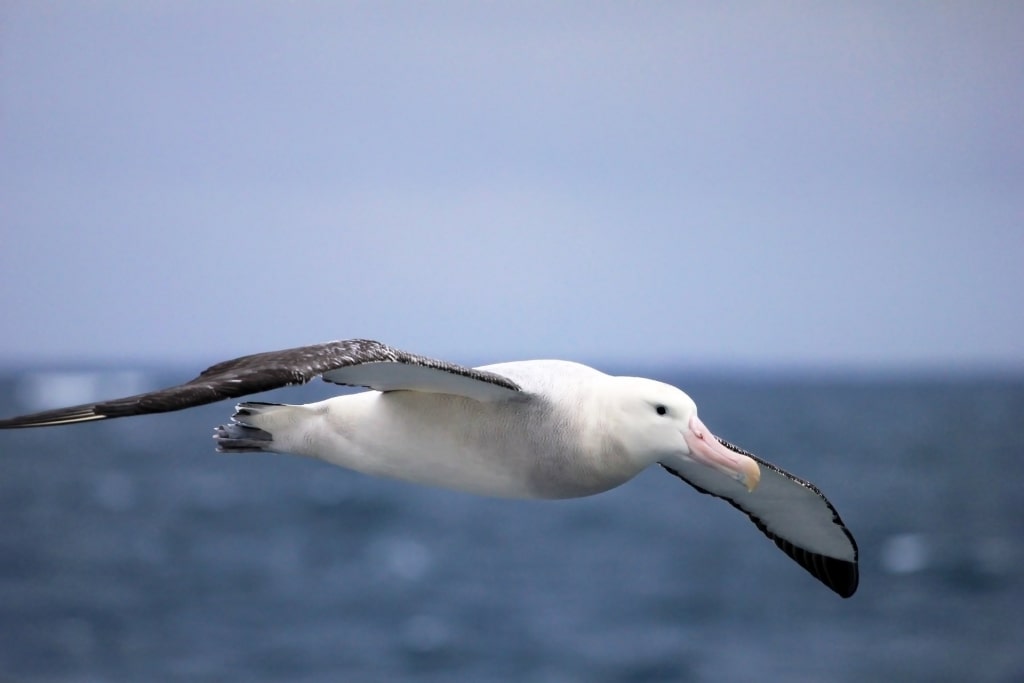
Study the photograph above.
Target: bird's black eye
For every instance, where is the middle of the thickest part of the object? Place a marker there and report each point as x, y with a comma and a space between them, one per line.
661, 409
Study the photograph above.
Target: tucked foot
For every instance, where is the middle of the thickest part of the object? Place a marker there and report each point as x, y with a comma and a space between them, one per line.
239, 438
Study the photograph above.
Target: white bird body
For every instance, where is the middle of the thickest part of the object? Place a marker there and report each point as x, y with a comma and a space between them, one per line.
525, 429
567, 445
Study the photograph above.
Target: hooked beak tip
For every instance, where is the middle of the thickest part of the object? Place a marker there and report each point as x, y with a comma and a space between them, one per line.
750, 475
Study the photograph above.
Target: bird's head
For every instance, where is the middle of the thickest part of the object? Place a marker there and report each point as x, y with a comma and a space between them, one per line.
658, 421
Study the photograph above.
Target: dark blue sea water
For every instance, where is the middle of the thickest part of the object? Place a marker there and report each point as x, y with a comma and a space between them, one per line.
129, 551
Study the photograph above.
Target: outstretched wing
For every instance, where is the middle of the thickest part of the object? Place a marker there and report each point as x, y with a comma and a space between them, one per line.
354, 362
792, 512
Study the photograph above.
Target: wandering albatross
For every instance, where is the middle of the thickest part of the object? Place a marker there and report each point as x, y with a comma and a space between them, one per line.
526, 429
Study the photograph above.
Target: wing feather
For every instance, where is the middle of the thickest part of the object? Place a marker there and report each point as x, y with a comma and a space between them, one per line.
790, 511
274, 369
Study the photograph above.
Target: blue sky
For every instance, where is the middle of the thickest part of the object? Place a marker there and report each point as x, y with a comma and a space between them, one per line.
762, 184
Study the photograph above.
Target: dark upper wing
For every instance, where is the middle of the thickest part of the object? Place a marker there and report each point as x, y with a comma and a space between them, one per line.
791, 512
356, 362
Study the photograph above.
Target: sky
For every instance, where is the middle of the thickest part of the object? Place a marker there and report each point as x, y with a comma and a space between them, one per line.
751, 185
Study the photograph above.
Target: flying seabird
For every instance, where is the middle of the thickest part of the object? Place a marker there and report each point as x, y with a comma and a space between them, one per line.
525, 429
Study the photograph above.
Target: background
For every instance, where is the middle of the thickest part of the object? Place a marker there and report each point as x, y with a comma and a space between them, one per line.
762, 184
809, 216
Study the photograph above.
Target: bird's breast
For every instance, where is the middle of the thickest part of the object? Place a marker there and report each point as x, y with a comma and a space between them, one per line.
502, 449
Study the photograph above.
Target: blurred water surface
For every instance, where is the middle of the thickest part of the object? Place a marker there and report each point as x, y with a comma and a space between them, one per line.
130, 551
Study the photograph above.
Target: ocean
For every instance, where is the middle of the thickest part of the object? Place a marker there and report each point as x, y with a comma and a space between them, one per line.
130, 551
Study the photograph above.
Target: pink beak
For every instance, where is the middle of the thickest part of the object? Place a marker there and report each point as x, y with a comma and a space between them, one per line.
707, 450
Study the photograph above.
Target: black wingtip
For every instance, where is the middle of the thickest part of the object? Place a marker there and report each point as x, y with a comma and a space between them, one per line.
842, 576
51, 418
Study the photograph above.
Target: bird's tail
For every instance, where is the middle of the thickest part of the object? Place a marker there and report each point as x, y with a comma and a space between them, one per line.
250, 429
